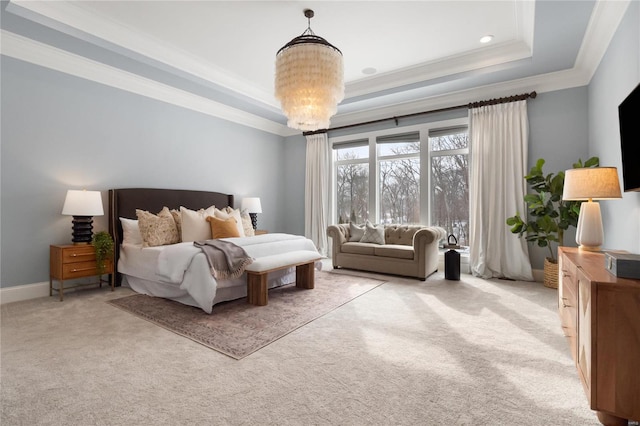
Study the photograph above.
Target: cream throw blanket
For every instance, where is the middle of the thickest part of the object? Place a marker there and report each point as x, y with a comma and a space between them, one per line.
226, 259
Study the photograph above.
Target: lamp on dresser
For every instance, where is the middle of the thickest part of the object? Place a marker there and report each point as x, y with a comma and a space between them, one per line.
593, 183
253, 207
82, 205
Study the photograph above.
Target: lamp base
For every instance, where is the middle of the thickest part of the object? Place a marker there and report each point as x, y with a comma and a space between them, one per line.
82, 229
254, 220
589, 233
590, 248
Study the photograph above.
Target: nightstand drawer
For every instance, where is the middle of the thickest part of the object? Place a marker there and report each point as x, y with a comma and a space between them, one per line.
79, 254
83, 269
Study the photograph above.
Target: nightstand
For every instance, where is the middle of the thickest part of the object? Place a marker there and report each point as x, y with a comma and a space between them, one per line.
73, 261
261, 232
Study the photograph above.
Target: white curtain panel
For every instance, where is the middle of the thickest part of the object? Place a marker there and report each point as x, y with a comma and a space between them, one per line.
499, 139
316, 196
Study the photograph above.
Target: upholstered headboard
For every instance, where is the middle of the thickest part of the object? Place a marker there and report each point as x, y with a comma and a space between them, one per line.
124, 202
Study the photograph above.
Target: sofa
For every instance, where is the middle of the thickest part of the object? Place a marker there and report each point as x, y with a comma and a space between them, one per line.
408, 250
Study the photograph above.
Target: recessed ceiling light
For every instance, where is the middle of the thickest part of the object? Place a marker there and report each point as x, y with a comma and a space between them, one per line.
369, 71
486, 39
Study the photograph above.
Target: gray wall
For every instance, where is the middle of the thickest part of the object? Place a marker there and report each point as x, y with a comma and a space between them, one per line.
60, 132
617, 74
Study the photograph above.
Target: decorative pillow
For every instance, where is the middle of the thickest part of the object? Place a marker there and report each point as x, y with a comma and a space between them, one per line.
131, 232
223, 228
157, 230
194, 224
356, 232
373, 234
177, 217
228, 212
247, 226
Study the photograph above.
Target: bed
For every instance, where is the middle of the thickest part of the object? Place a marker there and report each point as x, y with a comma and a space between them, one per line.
180, 271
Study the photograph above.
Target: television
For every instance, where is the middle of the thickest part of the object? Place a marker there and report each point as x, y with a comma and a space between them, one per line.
630, 140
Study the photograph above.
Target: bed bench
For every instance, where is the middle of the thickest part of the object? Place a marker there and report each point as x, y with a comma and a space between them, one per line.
303, 260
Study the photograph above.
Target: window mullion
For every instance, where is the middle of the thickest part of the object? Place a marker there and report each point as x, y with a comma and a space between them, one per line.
373, 181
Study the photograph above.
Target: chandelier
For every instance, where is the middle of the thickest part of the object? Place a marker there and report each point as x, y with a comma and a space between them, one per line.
309, 80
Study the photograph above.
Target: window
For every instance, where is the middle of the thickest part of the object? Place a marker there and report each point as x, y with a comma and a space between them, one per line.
449, 183
399, 178
352, 181
417, 175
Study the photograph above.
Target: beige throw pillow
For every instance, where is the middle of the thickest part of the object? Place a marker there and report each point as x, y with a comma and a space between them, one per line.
228, 212
373, 234
157, 230
356, 232
194, 224
247, 226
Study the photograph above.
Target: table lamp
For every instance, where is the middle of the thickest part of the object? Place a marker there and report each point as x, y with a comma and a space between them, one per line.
253, 207
82, 205
591, 183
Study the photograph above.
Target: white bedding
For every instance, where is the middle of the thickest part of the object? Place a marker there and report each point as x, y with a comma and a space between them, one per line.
180, 271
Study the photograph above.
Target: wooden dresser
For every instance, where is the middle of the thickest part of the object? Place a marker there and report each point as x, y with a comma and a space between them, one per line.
600, 317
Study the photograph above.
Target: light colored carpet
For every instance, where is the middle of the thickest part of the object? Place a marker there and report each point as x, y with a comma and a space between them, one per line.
408, 352
237, 328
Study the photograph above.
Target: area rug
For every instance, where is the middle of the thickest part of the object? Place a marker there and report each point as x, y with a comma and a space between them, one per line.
237, 328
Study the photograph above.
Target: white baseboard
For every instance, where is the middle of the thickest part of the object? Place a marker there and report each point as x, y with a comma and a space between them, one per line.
24, 292
538, 275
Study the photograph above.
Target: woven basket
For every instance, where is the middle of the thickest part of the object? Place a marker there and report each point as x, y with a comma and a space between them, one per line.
550, 274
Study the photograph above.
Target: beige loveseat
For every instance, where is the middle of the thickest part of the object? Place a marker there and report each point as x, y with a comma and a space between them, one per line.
409, 250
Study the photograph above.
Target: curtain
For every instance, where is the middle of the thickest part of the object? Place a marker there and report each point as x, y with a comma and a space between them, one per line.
499, 140
316, 198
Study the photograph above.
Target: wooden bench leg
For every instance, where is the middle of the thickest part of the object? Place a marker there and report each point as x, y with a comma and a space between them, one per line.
305, 275
257, 289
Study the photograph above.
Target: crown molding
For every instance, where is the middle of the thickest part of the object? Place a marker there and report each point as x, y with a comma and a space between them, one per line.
37, 53
482, 58
72, 19
604, 22
549, 82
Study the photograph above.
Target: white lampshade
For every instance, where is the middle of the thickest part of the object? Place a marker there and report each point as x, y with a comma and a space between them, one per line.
309, 81
598, 183
251, 205
83, 203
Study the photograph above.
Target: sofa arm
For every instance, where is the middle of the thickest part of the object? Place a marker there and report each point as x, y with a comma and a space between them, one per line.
426, 248
339, 235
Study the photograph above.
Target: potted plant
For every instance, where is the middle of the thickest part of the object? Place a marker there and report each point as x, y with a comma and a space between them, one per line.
549, 215
103, 245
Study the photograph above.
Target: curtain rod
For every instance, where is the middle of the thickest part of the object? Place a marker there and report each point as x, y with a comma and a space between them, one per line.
477, 104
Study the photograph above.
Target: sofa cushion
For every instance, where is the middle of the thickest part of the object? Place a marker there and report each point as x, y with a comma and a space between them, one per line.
393, 250
359, 248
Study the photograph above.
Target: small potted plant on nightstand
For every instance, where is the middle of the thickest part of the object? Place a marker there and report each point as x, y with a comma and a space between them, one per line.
549, 215
103, 244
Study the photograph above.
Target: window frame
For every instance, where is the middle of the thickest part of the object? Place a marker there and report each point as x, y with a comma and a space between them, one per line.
425, 156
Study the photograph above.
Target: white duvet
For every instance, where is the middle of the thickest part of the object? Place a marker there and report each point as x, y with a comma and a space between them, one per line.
182, 268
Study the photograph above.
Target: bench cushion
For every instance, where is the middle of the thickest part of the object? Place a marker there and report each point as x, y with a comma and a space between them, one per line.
279, 261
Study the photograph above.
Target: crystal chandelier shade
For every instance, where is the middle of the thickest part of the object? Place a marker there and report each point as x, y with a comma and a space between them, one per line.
309, 80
